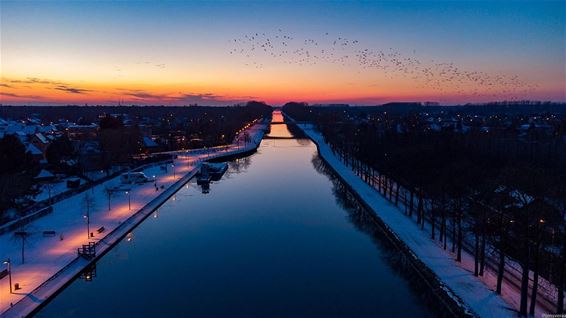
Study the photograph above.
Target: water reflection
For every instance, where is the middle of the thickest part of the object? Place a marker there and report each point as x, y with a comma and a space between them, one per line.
89, 273
367, 222
239, 165
274, 237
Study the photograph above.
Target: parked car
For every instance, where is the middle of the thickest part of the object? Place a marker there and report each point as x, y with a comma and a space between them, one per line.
134, 177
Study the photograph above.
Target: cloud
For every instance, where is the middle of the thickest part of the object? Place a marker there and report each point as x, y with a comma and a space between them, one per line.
212, 99
19, 96
6, 85
199, 97
72, 90
35, 80
144, 95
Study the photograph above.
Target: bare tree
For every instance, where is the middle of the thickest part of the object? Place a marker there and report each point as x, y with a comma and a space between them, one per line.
109, 193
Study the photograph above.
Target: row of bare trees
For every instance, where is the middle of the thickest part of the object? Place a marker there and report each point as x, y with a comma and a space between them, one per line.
503, 208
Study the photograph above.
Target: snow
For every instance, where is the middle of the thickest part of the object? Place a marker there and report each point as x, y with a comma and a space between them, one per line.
42, 138
477, 296
33, 149
100, 174
44, 174
148, 142
50, 262
55, 188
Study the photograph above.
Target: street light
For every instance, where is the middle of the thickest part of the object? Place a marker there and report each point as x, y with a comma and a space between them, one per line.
87, 217
9, 265
129, 202
173, 165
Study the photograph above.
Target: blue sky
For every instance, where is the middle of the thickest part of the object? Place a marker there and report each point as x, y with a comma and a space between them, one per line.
523, 38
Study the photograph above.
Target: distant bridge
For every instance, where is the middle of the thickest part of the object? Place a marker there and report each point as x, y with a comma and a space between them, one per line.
288, 122
279, 137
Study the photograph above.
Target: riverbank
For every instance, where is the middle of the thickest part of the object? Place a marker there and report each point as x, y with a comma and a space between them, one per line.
52, 262
458, 284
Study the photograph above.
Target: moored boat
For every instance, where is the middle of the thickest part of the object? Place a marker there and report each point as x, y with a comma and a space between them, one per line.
216, 170
204, 175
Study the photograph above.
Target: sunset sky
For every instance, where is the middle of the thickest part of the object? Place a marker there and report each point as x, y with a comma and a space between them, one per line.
179, 53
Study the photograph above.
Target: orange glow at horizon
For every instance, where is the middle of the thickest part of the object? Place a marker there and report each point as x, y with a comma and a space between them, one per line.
18, 90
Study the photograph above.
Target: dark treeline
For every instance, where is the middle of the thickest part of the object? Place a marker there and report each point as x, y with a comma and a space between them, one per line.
173, 127
508, 108
497, 191
17, 170
195, 127
90, 114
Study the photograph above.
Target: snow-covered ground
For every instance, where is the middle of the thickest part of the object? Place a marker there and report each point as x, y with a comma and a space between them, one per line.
51, 261
459, 279
54, 188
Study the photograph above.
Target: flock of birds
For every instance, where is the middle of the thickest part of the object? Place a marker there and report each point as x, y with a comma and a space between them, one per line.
259, 48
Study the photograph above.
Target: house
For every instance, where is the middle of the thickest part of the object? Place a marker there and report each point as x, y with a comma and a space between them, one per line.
40, 141
82, 132
44, 176
36, 154
149, 144
89, 154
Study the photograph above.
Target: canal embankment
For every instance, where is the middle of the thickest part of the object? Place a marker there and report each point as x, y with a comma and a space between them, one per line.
457, 289
69, 267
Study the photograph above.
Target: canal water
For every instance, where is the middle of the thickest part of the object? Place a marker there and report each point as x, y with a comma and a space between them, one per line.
275, 237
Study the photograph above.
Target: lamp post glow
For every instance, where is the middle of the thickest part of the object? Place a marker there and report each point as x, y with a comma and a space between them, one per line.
129, 201
87, 218
9, 266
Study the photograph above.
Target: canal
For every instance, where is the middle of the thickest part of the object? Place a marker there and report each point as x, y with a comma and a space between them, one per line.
277, 236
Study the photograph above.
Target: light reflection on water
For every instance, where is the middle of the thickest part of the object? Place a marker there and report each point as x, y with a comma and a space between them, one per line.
275, 237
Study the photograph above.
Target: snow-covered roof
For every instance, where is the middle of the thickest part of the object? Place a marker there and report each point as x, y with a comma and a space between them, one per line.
44, 174
538, 126
435, 127
42, 138
22, 137
33, 149
47, 128
30, 130
149, 143
89, 147
522, 198
76, 126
